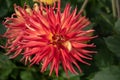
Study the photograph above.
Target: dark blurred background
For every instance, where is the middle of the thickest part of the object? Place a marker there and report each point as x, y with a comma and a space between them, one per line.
105, 19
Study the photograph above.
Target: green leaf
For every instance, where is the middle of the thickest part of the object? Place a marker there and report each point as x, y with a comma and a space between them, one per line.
28, 2
6, 67
26, 75
71, 76
4, 7
104, 57
2, 29
109, 73
113, 43
117, 26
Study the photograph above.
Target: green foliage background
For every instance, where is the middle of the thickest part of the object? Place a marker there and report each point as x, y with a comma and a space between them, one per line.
105, 64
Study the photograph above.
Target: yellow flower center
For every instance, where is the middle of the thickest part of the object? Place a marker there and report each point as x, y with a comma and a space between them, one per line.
49, 2
59, 40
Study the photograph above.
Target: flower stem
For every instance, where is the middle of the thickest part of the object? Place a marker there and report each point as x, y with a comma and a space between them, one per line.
84, 5
118, 8
114, 8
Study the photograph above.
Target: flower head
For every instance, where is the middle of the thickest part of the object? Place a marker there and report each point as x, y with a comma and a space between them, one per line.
49, 2
48, 36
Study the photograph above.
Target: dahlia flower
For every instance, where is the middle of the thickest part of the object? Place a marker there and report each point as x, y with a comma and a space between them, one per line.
49, 2
49, 37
